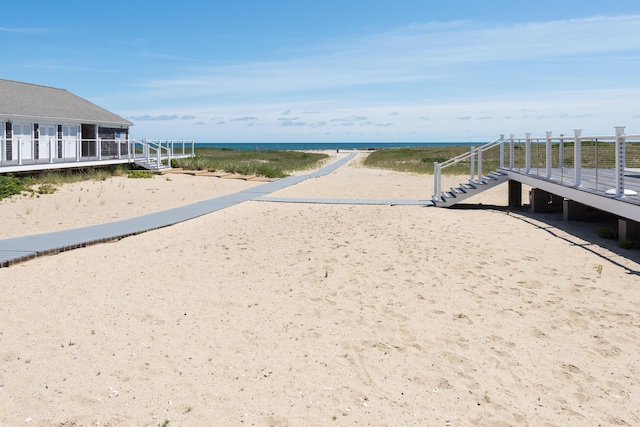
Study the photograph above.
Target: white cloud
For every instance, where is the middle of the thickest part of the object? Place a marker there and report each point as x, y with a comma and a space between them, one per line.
411, 54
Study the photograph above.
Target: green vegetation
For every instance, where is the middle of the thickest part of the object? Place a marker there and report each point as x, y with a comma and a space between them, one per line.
421, 159
269, 163
47, 182
628, 244
604, 233
46, 189
143, 174
10, 185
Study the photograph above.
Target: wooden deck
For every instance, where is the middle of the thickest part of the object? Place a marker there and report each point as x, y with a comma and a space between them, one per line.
592, 189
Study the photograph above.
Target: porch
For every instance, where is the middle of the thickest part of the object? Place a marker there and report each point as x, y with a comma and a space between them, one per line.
37, 154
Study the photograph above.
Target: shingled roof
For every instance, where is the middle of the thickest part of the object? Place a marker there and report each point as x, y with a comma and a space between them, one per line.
27, 101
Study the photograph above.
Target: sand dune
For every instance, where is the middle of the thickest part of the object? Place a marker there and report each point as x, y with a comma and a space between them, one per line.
273, 314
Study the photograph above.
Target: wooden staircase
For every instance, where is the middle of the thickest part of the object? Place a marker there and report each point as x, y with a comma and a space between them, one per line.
464, 190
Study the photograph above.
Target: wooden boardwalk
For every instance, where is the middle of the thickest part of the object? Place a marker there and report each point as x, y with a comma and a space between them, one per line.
19, 249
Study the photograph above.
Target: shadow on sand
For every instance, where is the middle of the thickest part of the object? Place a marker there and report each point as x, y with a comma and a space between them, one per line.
577, 233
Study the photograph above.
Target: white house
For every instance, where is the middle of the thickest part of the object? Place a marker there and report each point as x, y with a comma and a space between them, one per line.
44, 127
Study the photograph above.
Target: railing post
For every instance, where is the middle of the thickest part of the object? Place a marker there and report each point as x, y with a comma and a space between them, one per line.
473, 163
479, 151
99, 147
502, 151
512, 145
159, 153
548, 157
51, 150
621, 160
527, 153
561, 152
577, 158
436, 181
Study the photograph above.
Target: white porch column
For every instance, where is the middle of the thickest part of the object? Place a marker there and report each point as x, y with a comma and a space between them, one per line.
20, 150
527, 161
621, 160
548, 157
577, 158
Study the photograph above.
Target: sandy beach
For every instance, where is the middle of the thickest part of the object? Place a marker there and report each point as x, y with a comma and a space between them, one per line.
282, 314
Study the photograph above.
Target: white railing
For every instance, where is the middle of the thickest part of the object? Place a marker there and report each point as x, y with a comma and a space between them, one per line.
591, 162
445, 184
21, 151
161, 150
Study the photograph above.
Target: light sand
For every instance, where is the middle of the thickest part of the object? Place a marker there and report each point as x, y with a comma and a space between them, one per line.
274, 314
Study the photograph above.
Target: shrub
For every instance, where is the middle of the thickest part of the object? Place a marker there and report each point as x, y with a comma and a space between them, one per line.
10, 185
626, 244
604, 233
140, 174
46, 189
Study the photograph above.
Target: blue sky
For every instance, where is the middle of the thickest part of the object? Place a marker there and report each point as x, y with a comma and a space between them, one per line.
349, 70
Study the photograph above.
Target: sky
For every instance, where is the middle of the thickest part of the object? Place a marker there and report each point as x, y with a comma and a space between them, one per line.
337, 71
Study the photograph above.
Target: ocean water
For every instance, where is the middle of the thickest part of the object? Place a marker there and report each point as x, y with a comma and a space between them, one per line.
326, 145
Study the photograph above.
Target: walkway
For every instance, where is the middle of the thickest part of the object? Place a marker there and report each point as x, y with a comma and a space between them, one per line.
19, 249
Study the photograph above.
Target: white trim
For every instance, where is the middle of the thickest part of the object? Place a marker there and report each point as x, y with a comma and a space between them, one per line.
61, 120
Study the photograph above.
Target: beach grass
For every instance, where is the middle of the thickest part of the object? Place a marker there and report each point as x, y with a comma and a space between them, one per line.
47, 181
268, 163
420, 159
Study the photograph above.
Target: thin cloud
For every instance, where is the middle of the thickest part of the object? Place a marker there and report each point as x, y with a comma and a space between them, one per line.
22, 30
411, 54
161, 117
350, 119
243, 119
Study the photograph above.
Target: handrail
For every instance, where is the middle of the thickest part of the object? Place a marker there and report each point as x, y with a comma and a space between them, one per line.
538, 161
472, 154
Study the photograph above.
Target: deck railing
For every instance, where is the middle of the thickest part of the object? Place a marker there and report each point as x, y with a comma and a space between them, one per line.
565, 159
23, 151
478, 161
160, 151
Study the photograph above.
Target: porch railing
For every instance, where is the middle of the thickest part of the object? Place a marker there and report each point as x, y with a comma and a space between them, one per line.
592, 162
26, 151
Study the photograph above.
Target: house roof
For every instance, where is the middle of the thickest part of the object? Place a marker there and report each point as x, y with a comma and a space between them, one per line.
30, 101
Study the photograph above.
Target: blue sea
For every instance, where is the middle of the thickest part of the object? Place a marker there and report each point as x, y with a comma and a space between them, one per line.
326, 145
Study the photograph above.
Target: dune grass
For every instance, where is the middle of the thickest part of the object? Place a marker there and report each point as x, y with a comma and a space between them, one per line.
46, 182
420, 159
269, 163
